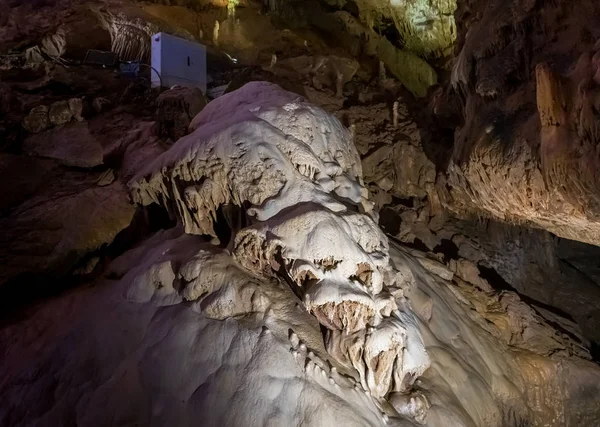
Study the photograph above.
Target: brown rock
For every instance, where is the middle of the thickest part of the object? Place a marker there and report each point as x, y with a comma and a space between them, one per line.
101, 104
525, 148
469, 272
18, 186
378, 165
435, 267
76, 107
106, 178
324, 72
65, 218
60, 113
139, 146
175, 110
71, 145
87, 267
414, 172
75, 36
54, 44
37, 120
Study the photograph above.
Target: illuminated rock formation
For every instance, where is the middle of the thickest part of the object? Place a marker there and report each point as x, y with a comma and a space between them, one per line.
284, 303
290, 167
526, 150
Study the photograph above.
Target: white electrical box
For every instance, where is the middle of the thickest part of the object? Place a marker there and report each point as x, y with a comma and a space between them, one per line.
177, 61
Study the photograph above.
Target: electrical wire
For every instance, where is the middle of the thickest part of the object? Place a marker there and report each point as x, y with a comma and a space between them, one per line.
157, 73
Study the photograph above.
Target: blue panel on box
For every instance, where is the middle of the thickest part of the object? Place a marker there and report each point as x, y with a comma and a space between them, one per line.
130, 68
178, 62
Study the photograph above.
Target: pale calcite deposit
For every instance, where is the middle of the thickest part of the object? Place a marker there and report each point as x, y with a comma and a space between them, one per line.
291, 168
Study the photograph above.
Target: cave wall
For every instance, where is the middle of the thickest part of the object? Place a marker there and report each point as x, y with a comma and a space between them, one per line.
526, 142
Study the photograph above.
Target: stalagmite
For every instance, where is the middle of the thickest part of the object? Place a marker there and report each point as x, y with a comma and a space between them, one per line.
294, 172
305, 193
382, 74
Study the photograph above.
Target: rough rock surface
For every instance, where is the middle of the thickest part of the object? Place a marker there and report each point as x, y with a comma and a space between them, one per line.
289, 165
394, 161
524, 151
131, 29
201, 330
556, 276
176, 108
425, 27
76, 107
394, 336
37, 120
68, 28
323, 72
362, 35
59, 113
71, 145
188, 357
64, 216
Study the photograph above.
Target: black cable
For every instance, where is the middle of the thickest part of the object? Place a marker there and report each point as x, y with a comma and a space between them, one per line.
151, 69
157, 73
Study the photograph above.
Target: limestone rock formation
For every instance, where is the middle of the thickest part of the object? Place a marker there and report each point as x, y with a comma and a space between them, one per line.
425, 26
101, 104
60, 113
70, 28
524, 152
522, 364
410, 25
301, 306
71, 145
76, 108
273, 153
324, 72
252, 284
60, 218
176, 108
556, 276
393, 160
